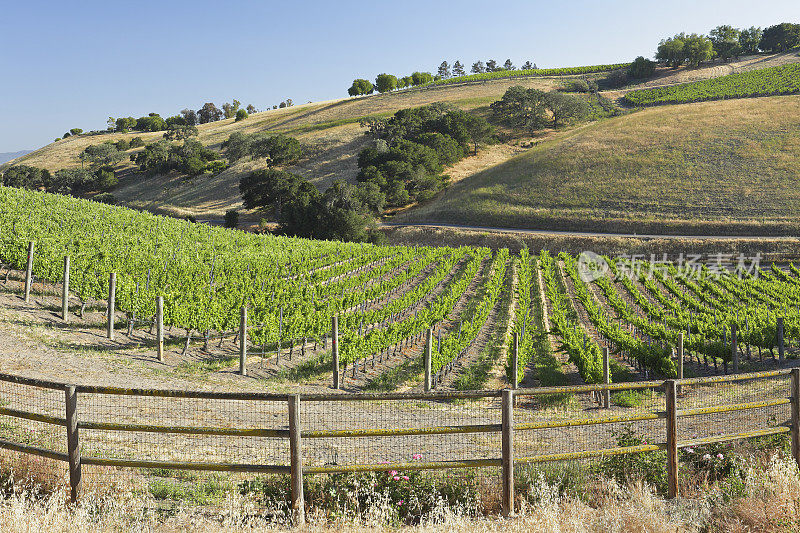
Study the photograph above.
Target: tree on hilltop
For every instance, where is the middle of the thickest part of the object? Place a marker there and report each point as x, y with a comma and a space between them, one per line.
458, 69
209, 113
444, 70
478, 67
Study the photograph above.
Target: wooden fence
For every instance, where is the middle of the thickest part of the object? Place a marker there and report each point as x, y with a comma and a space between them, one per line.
505, 425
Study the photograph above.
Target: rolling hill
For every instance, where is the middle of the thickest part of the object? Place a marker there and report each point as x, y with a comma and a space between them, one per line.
605, 173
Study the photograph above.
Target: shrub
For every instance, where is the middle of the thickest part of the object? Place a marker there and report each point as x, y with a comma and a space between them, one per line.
241, 114
278, 149
646, 466
123, 145
577, 86
105, 198
136, 142
216, 166
641, 68
75, 131
26, 177
232, 218
104, 179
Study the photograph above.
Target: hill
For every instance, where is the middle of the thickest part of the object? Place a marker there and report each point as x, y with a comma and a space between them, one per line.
331, 138
10, 156
725, 167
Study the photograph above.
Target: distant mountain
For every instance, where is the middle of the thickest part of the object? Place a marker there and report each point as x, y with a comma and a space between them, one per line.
8, 156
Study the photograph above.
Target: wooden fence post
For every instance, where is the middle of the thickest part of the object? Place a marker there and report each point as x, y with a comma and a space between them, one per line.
296, 461
29, 273
679, 351
734, 349
243, 341
508, 452
65, 291
73, 444
160, 327
606, 378
672, 438
515, 363
795, 433
780, 338
335, 349
428, 350
110, 310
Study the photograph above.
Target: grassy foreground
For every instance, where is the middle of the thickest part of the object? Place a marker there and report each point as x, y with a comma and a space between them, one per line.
726, 167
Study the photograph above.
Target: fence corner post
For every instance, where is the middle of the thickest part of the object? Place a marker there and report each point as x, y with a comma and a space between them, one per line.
428, 350
795, 397
160, 328
672, 438
508, 452
606, 378
335, 351
515, 363
110, 308
29, 273
243, 341
73, 444
296, 461
65, 291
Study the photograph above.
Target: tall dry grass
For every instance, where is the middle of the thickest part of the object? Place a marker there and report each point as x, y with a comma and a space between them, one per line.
768, 501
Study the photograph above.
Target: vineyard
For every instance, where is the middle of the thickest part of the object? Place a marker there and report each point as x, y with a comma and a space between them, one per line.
391, 301
501, 74
764, 82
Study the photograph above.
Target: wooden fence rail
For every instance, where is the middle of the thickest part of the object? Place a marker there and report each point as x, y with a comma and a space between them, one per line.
295, 433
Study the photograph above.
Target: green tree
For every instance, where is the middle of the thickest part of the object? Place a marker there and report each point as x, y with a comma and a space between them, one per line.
229, 110
565, 108
75, 131
125, 124
251, 109
725, 40
780, 37
179, 132
508, 65
421, 78
521, 108
208, 113
444, 70
458, 69
697, 49
232, 218
641, 68
671, 51
491, 65
106, 153
26, 177
478, 67
152, 122
277, 149
241, 114
385, 83
360, 86
527, 65
189, 117
749, 40
111, 123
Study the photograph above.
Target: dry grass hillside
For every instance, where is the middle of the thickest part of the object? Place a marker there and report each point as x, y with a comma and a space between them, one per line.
725, 167
332, 138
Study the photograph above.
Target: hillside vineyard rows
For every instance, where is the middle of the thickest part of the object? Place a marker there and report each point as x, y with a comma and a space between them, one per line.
771, 81
389, 296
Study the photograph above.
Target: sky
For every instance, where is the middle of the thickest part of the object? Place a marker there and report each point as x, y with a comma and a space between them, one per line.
73, 64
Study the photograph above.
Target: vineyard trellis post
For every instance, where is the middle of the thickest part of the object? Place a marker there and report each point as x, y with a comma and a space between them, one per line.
65, 291
73, 444
296, 461
335, 351
679, 353
29, 273
160, 327
507, 446
428, 350
734, 349
795, 397
515, 362
672, 438
606, 378
243, 341
780, 338
110, 308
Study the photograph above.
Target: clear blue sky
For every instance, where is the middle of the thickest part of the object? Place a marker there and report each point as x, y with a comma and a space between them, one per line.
73, 64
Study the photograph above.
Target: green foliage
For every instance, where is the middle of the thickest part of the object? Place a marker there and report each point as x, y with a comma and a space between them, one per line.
644, 466
749, 39
230, 110
277, 149
360, 86
152, 122
385, 83
232, 218
421, 78
123, 145
641, 68
125, 124
241, 114
716, 460
105, 198
725, 40
75, 131
765, 82
107, 153
179, 132
26, 177
161, 157
136, 142
480, 73
580, 86
780, 37
413, 145
208, 113
529, 109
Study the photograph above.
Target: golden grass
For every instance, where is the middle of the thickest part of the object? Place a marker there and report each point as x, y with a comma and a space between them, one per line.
678, 166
